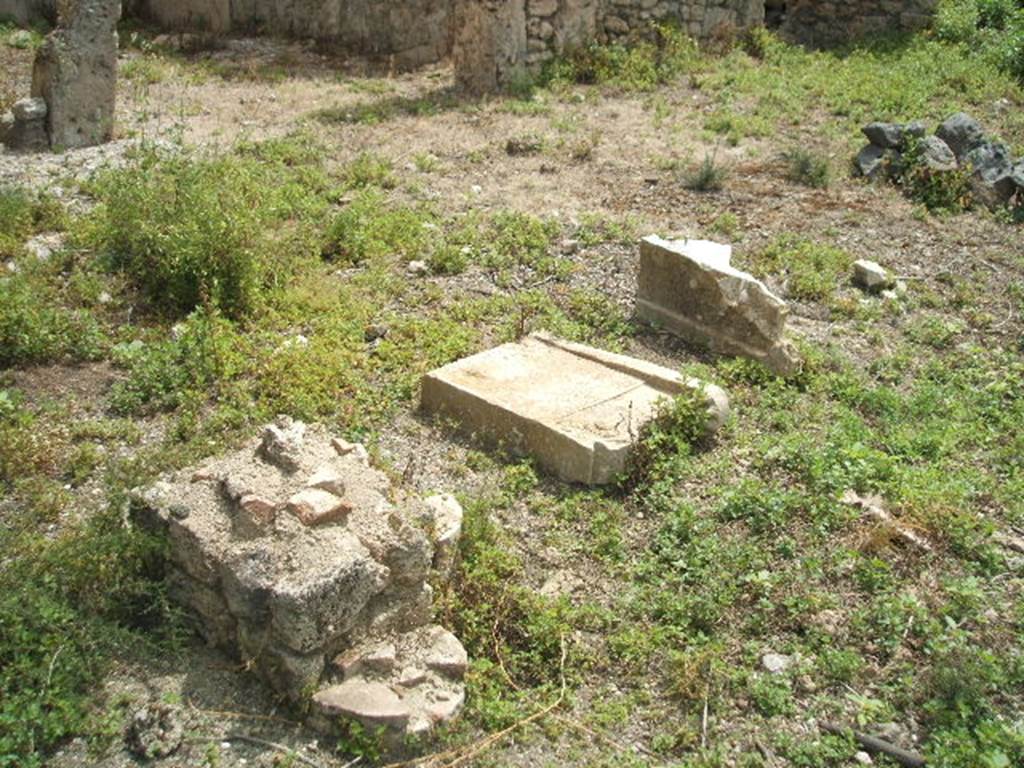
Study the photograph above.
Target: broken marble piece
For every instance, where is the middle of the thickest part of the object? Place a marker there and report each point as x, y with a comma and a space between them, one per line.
291, 553
689, 288
578, 410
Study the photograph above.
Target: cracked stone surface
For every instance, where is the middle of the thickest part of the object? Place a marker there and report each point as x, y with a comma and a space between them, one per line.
690, 288
293, 551
576, 409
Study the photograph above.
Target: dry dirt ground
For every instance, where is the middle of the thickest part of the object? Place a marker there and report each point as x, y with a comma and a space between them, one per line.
615, 156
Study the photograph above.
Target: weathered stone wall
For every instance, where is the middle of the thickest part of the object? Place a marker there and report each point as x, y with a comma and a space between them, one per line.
25, 12
821, 24
415, 31
556, 25
490, 50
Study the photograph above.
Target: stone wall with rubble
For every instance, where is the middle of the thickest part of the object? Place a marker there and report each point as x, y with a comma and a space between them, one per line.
27, 12
821, 24
496, 41
415, 32
556, 25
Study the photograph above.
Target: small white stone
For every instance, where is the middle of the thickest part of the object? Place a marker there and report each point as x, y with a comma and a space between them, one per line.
870, 276
776, 662
417, 268
863, 758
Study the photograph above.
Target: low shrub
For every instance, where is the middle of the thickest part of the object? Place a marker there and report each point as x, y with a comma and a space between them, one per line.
191, 231
939, 191
709, 176
641, 66
807, 168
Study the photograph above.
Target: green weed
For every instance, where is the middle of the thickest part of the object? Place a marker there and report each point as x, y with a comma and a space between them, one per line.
708, 176
807, 168
812, 270
192, 231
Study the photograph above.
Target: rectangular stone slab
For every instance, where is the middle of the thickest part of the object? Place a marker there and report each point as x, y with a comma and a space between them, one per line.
577, 409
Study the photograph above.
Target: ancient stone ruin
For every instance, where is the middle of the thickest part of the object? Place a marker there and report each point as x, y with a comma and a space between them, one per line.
74, 82
492, 42
576, 409
299, 557
818, 23
689, 288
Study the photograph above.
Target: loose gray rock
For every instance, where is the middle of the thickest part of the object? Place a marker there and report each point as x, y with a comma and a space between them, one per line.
870, 161
991, 173
884, 135
916, 129
961, 132
937, 155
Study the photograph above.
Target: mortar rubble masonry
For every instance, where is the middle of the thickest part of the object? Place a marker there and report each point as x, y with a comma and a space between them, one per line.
576, 409
298, 556
689, 288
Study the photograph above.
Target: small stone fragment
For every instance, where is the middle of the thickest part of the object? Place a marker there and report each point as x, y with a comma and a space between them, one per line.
380, 659
344, 448
412, 676
418, 268
375, 331
282, 443
870, 276
45, 245
179, 511
991, 173
776, 662
314, 506
447, 655
863, 758
327, 479
259, 510
373, 704
446, 522
445, 706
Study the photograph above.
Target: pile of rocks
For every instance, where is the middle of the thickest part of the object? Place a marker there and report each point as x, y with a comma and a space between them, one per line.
958, 144
301, 558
